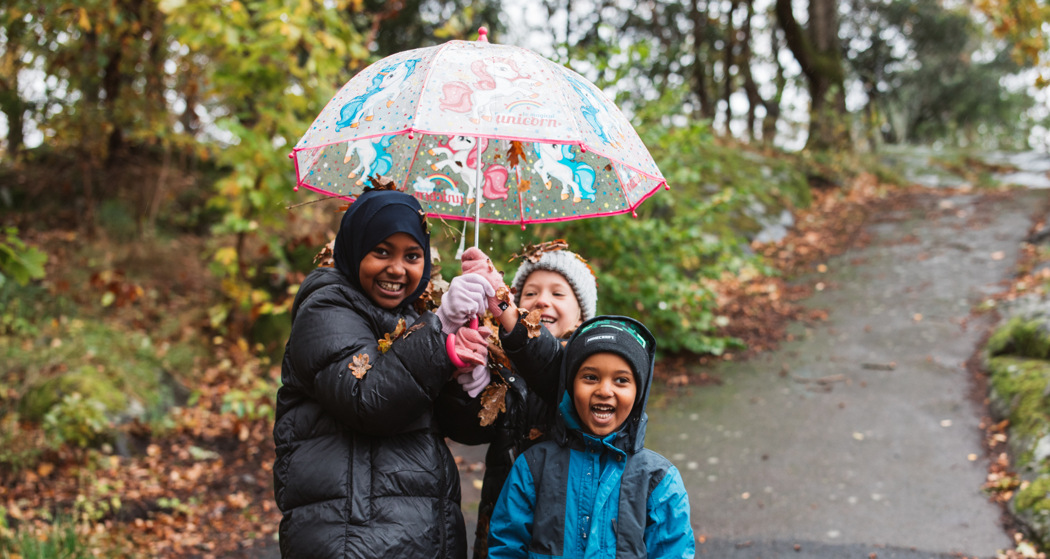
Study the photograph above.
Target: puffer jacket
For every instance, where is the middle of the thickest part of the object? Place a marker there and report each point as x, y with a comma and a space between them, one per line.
582, 496
362, 471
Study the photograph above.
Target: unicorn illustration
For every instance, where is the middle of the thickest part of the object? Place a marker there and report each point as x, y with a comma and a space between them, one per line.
460, 156
372, 157
387, 85
499, 83
559, 161
595, 112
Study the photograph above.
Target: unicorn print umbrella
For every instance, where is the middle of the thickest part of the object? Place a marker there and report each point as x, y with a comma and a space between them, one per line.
479, 131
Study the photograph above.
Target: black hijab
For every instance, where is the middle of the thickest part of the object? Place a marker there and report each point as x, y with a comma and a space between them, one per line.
371, 219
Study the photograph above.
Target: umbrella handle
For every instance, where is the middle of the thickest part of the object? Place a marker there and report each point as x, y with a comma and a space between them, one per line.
474, 323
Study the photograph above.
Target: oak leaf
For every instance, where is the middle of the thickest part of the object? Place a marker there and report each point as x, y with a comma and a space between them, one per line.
534, 252
532, 322
503, 294
493, 401
497, 356
360, 365
388, 338
516, 154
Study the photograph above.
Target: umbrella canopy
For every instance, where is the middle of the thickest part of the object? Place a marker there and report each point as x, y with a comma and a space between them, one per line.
479, 131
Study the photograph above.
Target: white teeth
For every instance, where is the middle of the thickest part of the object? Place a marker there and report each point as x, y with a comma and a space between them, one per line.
547, 320
390, 286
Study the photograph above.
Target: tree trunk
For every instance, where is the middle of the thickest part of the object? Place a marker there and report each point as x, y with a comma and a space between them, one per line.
817, 50
699, 82
11, 102
727, 64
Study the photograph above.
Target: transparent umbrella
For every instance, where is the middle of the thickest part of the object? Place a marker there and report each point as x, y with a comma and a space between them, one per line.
481, 132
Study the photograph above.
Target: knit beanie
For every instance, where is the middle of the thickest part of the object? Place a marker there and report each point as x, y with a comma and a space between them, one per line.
374, 216
575, 271
620, 335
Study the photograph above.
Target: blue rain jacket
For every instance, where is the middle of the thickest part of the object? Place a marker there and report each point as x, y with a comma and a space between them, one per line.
580, 496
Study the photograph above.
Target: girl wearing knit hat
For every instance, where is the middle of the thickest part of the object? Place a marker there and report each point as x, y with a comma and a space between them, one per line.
561, 286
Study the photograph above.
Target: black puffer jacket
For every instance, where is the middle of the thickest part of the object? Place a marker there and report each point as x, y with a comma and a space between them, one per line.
361, 469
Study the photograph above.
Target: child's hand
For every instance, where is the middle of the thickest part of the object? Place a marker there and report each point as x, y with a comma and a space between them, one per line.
475, 262
475, 381
468, 347
467, 297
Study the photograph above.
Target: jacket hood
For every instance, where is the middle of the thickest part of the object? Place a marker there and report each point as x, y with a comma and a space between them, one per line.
627, 338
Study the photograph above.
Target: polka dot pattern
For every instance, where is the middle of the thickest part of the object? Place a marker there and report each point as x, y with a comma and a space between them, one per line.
469, 123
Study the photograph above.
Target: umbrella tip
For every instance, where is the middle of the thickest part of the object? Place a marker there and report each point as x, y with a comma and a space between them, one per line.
483, 34
291, 155
295, 188
634, 213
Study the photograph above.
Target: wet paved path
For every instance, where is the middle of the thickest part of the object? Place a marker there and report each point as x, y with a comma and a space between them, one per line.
820, 449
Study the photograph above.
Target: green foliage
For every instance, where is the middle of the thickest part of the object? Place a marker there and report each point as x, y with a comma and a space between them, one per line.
1020, 338
76, 421
945, 86
59, 540
18, 261
252, 402
1023, 384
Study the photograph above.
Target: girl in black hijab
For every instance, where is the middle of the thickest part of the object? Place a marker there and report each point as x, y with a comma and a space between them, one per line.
361, 468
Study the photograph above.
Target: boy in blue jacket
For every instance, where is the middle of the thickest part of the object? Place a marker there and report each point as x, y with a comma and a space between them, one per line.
593, 490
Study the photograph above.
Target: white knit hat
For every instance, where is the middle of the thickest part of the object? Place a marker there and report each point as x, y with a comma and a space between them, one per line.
575, 271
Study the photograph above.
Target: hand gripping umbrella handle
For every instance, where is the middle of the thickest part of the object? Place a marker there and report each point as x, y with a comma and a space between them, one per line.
450, 345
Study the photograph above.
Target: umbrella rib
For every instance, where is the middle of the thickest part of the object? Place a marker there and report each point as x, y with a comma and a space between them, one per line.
426, 82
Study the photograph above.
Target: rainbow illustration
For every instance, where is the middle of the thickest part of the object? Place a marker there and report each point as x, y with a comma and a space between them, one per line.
523, 102
441, 178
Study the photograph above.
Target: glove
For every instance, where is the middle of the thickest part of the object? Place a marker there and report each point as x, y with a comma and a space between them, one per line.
468, 347
475, 381
475, 262
467, 296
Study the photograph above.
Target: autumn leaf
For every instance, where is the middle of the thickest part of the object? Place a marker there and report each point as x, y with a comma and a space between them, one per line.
497, 356
379, 182
534, 252
493, 401
503, 294
388, 339
532, 322
325, 258
523, 186
360, 365
414, 328
516, 154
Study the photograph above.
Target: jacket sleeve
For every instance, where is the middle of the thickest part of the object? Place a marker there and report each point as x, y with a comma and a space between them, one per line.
386, 395
538, 360
457, 416
510, 530
668, 532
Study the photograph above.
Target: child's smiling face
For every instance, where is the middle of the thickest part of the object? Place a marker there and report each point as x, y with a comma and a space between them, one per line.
391, 271
551, 293
603, 393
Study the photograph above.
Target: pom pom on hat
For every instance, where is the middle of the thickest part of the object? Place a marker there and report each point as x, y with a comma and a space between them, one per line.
575, 271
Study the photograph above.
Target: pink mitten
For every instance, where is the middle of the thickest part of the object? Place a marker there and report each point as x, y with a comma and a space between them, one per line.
468, 347
475, 381
475, 262
467, 296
